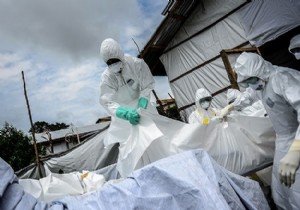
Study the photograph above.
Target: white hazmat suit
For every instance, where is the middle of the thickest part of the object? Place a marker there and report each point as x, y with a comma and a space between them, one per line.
281, 98
122, 86
203, 112
294, 47
256, 108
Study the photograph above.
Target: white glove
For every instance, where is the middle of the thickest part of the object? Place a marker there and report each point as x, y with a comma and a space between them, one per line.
288, 167
225, 110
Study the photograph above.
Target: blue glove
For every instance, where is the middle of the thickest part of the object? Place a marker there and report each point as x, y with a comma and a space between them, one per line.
143, 103
129, 114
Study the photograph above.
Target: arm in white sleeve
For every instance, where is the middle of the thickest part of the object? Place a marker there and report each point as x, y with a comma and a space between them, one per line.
245, 99
147, 82
290, 88
108, 95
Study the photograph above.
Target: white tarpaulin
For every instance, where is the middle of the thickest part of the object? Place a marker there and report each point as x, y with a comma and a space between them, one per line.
240, 144
226, 34
89, 155
55, 186
206, 14
265, 20
189, 180
212, 77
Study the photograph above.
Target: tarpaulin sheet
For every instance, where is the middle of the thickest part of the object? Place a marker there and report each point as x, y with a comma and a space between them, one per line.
189, 180
90, 155
264, 21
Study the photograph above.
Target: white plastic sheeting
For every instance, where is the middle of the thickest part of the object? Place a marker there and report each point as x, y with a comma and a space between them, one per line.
256, 109
185, 181
91, 155
266, 20
56, 186
207, 13
226, 34
190, 180
212, 77
85, 157
42, 137
240, 144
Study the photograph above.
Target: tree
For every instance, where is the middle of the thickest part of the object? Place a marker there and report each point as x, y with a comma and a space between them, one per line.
16, 147
41, 126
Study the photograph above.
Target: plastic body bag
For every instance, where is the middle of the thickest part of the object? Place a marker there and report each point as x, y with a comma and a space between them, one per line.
132, 150
241, 144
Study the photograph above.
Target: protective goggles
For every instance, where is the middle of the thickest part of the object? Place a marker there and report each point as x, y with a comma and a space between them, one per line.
205, 99
251, 80
112, 61
295, 50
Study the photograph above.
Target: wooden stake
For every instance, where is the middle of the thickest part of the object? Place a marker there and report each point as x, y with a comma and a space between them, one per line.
32, 129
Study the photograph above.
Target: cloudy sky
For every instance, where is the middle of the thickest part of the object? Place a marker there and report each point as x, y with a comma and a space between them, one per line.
56, 43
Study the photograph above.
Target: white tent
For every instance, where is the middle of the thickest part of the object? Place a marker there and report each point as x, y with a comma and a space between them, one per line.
192, 58
90, 155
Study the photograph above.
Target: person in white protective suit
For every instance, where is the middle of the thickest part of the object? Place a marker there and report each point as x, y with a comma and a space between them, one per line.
203, 113
256, 108
294, 47
126, 85
279, 90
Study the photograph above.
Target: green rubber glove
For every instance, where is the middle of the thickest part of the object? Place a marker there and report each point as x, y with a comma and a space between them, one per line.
143, 103
129, 114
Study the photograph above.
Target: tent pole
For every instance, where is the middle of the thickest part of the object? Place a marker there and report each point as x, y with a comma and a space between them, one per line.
32, 129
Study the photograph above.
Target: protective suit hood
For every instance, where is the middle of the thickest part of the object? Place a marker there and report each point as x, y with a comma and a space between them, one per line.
201, 93
111, 49
252, 65
232, 94
295, 42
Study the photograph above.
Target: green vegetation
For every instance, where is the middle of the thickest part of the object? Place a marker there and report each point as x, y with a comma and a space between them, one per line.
16, 147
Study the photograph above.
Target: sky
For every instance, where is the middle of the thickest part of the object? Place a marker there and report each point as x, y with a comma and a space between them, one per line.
57, 46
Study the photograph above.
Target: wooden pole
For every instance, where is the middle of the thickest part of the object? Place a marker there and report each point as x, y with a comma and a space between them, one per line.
230, 72
32, 129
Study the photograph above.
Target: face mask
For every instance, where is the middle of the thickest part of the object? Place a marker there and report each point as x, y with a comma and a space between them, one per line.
205, 104
297, 55
259, 85
116, 67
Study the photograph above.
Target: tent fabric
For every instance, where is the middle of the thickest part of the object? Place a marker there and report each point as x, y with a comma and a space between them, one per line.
206, 14
241, 144
226, 34
264, 21
185, 181
42, 137
91, 155
212, 77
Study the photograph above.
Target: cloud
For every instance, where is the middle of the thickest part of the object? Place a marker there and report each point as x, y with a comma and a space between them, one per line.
56, 43
69, 29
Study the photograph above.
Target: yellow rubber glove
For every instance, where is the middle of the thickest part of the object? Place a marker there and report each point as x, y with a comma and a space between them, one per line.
289, 164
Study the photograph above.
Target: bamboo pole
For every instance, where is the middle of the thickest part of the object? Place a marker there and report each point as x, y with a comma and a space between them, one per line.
32, 129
